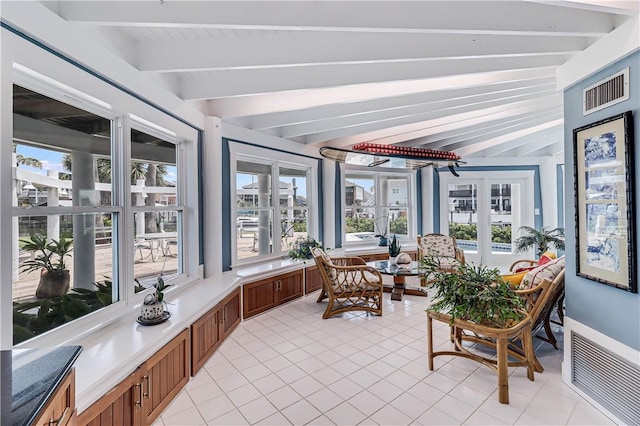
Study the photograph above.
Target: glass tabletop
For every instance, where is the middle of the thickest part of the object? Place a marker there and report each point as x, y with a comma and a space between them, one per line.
384, 267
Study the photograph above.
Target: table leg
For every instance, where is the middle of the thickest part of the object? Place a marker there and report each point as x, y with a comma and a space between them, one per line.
399, 285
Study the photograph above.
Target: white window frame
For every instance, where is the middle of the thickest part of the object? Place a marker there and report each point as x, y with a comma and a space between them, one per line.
276, 159
411, 207
121, 116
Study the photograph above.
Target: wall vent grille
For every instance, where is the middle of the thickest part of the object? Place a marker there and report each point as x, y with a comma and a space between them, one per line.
607, 92
611, 381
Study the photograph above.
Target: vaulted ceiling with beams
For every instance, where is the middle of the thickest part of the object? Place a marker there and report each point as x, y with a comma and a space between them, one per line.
474, 77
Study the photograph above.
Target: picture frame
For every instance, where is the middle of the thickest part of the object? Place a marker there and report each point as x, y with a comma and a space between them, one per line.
604, 202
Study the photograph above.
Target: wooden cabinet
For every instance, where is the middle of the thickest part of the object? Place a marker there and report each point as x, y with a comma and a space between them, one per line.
265, 294
312, 279
142, 396
212, 328
122, 405
164, 375
61, 408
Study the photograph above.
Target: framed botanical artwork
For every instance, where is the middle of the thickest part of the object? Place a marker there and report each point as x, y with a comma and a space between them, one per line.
605, 210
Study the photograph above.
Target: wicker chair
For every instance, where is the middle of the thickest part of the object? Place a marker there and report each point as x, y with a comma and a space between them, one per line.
441, 248
349, 284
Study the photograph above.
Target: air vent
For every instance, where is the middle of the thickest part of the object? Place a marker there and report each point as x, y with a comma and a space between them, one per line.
611, 381
607, 92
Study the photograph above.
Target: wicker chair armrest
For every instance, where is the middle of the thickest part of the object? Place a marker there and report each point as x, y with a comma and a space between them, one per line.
528, 263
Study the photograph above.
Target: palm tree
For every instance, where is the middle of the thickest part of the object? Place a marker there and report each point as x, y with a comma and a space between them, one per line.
541, 239
26, 161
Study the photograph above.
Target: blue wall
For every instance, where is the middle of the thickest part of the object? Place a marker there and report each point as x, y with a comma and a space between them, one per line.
611, 311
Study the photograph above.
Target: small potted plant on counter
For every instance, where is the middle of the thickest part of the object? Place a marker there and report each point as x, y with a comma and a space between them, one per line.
153, 310
301, 248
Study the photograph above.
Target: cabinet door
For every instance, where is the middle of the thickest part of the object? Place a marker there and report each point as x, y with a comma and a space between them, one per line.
312, 279
60, 409
205, 338
289, 286
230, 312
259, 296
164, 375
120, 406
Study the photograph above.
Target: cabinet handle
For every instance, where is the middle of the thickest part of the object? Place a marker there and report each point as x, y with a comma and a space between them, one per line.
147, 379
224, 315
139, 401
278, 285
62, 418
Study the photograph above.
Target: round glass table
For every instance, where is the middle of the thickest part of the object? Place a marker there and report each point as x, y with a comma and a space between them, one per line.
400, 273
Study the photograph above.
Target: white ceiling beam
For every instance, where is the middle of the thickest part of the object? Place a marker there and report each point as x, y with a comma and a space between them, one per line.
365, 132
411, 113
508, 148
277, 50
217, 84
498, 17
619, 43
557, 125
491, 129
279, 119
622, 7
302, 99
532, 148
478, 129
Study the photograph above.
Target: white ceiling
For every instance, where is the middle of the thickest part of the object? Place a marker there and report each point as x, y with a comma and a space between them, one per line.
475, 77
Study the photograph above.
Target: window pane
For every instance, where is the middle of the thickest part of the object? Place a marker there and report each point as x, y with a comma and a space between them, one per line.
501, 218
294, 226
359, 190
156, 253
254, 233
360, 224
293, 187
58, 255
253, 185
63, 155
154, 174
463, 218
393, 191
398, 222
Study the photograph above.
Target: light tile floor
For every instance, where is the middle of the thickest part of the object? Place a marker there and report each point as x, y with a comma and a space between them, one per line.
288, 366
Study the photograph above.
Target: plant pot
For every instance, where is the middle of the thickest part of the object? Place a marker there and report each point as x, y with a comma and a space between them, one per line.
392, 260
53, 284
384, 241
151, 312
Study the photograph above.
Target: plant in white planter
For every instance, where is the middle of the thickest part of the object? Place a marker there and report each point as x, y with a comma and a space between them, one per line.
153, 306
394, 249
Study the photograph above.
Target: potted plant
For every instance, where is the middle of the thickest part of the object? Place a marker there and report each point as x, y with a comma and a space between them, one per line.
382, 226
49, 259
473, 293
153, 306
394, 250
301, 247
542, 239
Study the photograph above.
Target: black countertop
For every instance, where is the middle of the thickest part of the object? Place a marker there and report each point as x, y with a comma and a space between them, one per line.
35, 374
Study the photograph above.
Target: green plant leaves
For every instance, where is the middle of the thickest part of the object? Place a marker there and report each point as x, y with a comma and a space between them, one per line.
475, 293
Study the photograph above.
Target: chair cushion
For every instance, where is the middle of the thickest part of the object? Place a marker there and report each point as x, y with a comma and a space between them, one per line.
438, 245
535, 276
514, 279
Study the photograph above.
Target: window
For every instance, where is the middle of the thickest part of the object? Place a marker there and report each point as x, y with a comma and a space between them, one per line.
86, 227
63, 190
272, 202
377, 203
156, 208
